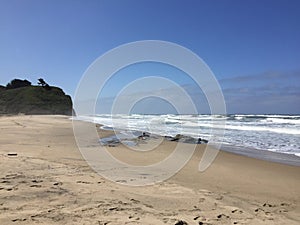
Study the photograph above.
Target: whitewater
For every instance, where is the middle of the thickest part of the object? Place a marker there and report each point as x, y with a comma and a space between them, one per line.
277, 133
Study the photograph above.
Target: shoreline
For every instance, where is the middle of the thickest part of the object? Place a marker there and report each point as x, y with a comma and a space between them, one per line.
266, 155
277, 133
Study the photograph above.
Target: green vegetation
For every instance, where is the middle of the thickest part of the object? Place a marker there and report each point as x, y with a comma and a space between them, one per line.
34, 100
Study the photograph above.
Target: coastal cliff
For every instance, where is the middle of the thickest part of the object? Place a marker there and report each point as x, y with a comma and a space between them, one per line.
29, 99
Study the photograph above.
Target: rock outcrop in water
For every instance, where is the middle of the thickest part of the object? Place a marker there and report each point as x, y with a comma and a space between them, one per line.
115, 140
17, 98
186, 139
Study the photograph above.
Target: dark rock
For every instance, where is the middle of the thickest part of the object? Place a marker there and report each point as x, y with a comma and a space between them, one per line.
168, 138
110, 142
186, 139
144, 135
201, 141
178, 137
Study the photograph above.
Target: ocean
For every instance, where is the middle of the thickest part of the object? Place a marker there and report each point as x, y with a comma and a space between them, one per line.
276, 133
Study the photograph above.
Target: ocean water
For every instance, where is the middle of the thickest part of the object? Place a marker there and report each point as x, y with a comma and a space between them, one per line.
277, 133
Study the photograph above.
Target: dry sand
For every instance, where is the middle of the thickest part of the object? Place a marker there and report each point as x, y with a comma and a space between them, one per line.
48, 182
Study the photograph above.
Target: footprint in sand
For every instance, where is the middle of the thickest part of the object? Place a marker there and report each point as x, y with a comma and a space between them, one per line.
181, 222
16, 220
134, 200
284, 204
277, 208
268, 205
5, 181
82, 182
203, 223
220, 216
201, 200
202, 218
121, 181
266, 214
133, 218
103, 222
37, 181
258, 209
149, 206
12, 154
195, 209
36, 185
13, 176
237, 210
219, 197
57, 183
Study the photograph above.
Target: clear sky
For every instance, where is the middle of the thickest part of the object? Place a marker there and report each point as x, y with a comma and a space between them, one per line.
253, 47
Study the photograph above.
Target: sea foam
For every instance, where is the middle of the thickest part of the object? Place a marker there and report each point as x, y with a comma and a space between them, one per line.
279, 133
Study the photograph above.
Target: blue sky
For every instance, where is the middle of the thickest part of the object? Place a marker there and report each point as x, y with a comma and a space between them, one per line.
252, 47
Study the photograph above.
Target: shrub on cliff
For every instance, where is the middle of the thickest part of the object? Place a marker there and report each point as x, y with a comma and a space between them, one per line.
17, 83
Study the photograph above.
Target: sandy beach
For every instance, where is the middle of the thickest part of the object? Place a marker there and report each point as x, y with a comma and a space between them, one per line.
45, 180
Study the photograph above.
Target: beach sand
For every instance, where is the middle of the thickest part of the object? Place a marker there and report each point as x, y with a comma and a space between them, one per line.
45, 180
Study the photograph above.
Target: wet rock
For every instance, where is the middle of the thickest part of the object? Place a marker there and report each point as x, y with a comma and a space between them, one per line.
110, 142
144, 135
186, 139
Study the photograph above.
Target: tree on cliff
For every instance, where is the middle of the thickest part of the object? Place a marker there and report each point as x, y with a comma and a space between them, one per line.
42, 82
